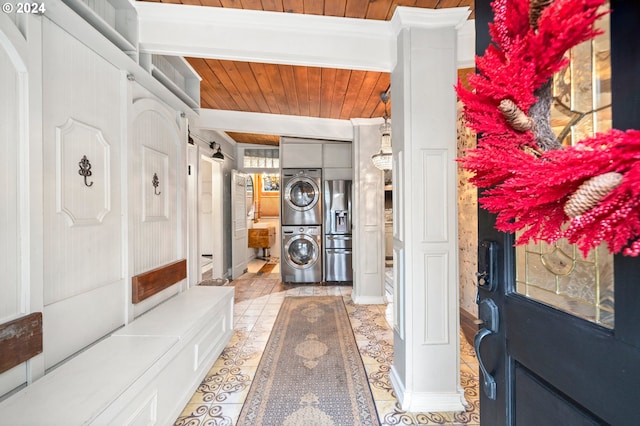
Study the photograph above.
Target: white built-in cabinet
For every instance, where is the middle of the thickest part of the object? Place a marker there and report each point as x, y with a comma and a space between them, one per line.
334, 157
293, 155
176, 74
337, 161
10, 249
117, 20
82, 125
93, 156
155, 162
14, 198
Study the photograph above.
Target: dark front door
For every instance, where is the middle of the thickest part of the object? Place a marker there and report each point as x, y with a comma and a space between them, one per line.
561, 338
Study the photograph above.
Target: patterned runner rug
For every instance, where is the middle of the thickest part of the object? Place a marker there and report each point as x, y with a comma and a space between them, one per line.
311, 372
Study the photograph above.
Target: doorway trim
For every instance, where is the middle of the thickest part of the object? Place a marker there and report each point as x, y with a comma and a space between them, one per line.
217, 238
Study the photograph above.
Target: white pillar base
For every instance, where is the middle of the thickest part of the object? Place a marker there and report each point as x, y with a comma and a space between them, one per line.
427, 402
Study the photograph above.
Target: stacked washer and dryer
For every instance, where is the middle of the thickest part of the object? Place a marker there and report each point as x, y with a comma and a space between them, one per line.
301, 216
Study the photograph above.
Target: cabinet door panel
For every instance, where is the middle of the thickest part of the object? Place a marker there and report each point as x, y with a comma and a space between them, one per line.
336, 155
301, 155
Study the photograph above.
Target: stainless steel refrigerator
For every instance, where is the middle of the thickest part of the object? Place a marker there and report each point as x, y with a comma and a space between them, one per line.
337, 225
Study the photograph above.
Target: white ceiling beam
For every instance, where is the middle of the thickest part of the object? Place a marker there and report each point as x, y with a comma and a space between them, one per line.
275, 124
261, 36
289, 38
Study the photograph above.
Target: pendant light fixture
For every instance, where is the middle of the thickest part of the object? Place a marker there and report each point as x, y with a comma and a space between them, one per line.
218, 156
382, 160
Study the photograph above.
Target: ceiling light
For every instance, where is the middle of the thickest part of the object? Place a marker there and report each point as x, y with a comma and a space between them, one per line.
383, 159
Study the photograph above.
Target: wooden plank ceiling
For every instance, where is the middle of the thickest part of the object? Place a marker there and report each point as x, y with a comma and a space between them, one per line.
299, 90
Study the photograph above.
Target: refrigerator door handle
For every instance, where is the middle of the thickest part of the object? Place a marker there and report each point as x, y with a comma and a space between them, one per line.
338, 241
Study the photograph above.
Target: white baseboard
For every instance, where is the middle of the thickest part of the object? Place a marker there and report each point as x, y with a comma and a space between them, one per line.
368, 300
426, 402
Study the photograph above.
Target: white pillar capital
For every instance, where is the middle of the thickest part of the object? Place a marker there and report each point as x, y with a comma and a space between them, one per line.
407, 17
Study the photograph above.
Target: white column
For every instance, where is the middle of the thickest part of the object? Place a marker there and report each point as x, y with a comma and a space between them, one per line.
193, 256
426, 368
368, 210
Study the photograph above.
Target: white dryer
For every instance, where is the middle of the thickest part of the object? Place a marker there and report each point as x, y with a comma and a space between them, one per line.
301, 254
301, 197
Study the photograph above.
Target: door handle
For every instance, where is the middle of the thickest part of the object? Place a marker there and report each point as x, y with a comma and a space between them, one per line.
488, 265
488, 382
488, 317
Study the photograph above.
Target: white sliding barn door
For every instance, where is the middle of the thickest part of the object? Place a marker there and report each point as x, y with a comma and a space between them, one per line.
239, 232
82, 133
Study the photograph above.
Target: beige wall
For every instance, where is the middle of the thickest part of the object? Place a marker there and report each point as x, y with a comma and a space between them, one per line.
467, 223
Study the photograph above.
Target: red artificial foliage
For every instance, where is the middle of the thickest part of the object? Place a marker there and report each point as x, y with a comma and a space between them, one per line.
528, 192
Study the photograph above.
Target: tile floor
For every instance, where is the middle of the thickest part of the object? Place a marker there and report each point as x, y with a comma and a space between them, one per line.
219, 398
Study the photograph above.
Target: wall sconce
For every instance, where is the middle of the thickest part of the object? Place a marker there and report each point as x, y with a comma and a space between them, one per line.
218, 156
190, 140
382, 160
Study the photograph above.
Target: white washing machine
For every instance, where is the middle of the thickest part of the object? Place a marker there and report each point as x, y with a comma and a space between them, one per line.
301, 254
301, 197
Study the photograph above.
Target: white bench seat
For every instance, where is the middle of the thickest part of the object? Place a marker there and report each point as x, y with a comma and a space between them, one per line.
142, 374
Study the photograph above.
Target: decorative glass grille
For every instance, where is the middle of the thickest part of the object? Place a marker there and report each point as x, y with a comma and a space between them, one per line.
557, 274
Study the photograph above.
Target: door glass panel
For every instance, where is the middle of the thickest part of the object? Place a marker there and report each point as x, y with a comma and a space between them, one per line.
558, 275
302, 194
302, 252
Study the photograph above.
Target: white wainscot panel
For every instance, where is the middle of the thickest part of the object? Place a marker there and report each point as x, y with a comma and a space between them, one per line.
436, 304
155, 185
398, 196
372, 247
398, 291
147, 412
13, 378
83, 184
372, 209
434, 195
